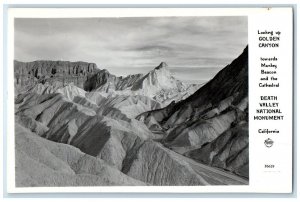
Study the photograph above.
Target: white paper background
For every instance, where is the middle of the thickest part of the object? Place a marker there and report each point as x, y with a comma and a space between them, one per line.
260, 181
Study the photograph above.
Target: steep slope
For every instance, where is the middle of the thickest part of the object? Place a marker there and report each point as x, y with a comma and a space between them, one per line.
229, 151
129, 105
156, 165
218, 106
40, 162
122, 143
231, 80
104, 81
106, 133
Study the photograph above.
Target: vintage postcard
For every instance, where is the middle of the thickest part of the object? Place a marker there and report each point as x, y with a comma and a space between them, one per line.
150, 100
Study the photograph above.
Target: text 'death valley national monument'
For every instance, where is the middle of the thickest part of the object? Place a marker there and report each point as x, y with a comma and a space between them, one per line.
131, 101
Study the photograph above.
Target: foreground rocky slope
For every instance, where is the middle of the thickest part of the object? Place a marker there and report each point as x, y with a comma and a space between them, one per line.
40, 162
215, 108
123, 143
228, 151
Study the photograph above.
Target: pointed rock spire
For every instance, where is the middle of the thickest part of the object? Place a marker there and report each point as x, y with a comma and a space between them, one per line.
161, 65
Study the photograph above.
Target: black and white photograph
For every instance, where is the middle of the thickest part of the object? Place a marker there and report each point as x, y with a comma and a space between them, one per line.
131, 101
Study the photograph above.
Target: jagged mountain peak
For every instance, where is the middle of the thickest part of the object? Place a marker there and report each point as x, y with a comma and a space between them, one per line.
162, 65
159, 74
162, 68
157, 82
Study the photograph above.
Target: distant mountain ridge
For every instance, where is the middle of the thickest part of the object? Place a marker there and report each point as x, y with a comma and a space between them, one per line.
106, 82
42, 71
158, 84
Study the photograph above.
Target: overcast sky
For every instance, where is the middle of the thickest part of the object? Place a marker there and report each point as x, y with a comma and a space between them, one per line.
195, 48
